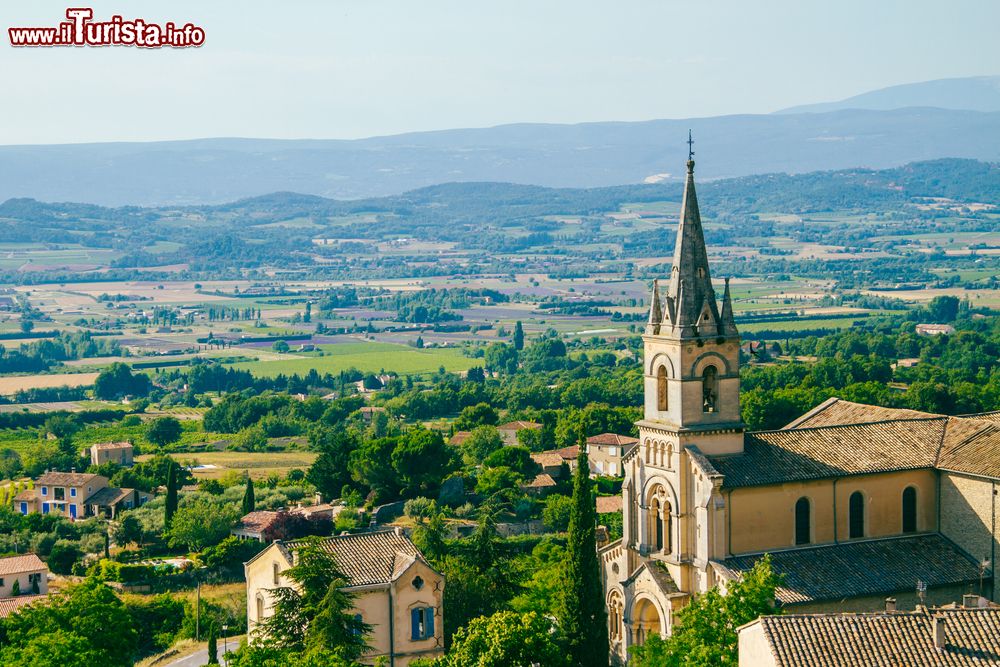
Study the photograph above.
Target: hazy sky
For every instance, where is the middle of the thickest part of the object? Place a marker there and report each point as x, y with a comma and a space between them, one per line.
353, 68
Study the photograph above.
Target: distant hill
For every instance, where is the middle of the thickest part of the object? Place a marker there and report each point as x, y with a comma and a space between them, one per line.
975, 93
578, 156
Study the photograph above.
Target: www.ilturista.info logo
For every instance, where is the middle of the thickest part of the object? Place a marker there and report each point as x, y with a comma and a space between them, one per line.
82, 30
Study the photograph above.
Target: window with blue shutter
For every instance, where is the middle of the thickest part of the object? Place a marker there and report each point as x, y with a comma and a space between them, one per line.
416, 623
428, 622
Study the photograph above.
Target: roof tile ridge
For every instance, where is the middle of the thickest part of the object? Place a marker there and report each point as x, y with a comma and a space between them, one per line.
824, 427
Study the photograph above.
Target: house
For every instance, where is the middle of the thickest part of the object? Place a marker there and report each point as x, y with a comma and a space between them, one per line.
936, 636
605, 452
459, 438
568, 455
509, 431
541, 485
550, 462
111, 452
23, 575
76, 496
260, 526
283, 524
10, 605
935, 329
368, 412
853, 502
397, 592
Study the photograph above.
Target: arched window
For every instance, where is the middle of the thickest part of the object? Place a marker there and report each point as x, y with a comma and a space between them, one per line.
856, 515
909, 510
802, 521
668, 527
661, 388
276, 573
260, 607
657, 524
710, 389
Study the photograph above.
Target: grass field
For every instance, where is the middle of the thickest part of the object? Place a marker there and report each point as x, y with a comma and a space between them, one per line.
258, 464
14, 384
365, 356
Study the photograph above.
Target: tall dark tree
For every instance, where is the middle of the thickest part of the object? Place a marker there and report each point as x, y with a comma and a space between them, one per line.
213, 646
249, 502
518, 336
170, 506
582, 615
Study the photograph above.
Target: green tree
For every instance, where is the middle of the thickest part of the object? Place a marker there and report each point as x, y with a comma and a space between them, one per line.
479, 414
117, 381
164, 430
330, 472
62, 556
280, 346
56, 648
422, 460
170, 505
200, 523
582, 614
505, 638
557, 512
249, 502
706, 632
518, 336
482, 441
213, 647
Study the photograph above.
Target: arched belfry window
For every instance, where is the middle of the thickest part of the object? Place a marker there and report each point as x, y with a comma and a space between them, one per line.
856, 515
657, 522
661, 388
710, 389
803, 522
909, 510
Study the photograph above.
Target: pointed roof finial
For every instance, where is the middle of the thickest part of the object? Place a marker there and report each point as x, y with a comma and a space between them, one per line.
690, 143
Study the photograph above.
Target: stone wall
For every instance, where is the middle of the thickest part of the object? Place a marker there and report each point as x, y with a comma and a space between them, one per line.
969, 517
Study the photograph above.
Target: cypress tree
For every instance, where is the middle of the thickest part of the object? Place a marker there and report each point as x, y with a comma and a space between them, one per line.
171, 504
249, 502
518, 336
583, 617
213, 646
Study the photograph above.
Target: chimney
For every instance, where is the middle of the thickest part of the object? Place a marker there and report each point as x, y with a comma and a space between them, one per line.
937, 622
890, 604
970, 601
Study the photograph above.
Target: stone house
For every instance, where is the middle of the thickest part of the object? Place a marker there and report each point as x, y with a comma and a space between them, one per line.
29, 573
605, 452
76, 496
111, 452
398, 593
509, 431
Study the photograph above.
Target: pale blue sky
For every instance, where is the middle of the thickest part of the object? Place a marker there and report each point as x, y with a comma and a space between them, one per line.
353, 68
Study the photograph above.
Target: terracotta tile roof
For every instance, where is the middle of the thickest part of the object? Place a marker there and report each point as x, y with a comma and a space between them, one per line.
772, 457
112, 445
609, 504
971, 446
459, 438
542, 481
547, 459
862, 568
885, 639
568, 453
838, 412
9, 605
68, 479
368, 558
108, 496
517, 426
19, 564
258, 522
27, 494
612, 439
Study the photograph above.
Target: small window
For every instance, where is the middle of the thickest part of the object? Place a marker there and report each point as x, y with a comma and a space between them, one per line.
802, 522
276, 572
909, 510
856, 515
1, 581
45, 490
358, 621
421, 623
260, 607
710, 389
418, 583
661, 388
72, 493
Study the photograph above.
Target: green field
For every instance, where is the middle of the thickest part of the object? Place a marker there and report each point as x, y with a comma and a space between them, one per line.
368, 357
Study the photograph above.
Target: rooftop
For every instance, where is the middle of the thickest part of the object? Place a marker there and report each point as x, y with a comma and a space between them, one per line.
885, 639
258, 522
112, 445
68, 479
19, 564
517, 426
612, 439
369, 558
9, 605
108, 496
863, 567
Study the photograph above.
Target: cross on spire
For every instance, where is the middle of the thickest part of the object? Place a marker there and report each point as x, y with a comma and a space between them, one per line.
690, 143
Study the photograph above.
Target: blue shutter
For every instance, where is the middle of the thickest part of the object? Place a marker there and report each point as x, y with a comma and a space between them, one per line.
24, 508
415, 623
429, 620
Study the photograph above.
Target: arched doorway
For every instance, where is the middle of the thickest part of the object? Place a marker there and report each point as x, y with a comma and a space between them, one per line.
645, 621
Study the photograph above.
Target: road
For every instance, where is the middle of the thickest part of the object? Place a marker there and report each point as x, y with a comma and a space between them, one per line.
197, 659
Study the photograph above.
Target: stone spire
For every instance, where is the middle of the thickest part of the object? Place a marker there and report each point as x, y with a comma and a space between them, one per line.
727, 326
695, 311
655, 311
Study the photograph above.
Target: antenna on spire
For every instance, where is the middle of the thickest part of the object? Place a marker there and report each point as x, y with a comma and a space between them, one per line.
690, 143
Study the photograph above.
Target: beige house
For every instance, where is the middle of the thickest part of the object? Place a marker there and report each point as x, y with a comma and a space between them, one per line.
111, 452
605, 452
76, 496
853, 502
28, 572
398, 593
956, 636
509, 431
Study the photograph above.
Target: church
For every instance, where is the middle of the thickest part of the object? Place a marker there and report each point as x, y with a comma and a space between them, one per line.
854, 503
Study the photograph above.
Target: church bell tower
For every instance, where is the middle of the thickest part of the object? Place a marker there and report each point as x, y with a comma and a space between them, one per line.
692, 350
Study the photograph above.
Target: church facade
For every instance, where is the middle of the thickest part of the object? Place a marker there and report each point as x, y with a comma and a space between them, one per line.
853, 502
